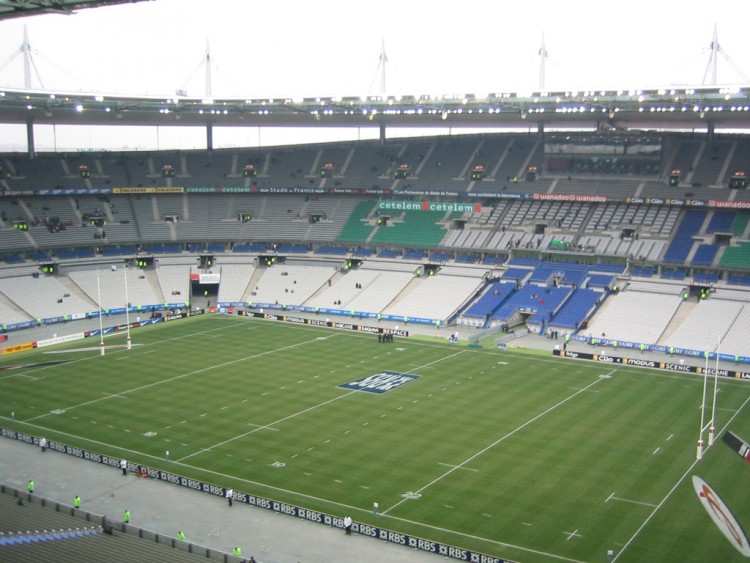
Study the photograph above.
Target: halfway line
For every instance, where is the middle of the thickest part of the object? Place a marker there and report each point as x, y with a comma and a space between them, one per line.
295, 414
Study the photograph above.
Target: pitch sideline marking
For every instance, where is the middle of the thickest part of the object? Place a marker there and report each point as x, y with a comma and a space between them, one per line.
304, 411
673, 489
496, 442
170, 379
158, 327
225, 476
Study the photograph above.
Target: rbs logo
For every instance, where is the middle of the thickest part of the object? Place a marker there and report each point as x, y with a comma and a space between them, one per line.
380, 382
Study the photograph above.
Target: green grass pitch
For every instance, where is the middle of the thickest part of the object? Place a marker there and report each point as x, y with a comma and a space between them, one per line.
521, 456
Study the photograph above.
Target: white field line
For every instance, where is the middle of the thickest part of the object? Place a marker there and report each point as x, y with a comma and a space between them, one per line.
88, 358
188, 374
345, 507
499, 440
464, 468
613, 497
293, 415
209, 448
673, 489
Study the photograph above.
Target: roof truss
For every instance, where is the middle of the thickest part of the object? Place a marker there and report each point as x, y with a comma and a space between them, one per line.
21, 8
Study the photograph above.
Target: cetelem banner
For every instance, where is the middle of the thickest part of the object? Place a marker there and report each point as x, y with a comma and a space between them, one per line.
429, 206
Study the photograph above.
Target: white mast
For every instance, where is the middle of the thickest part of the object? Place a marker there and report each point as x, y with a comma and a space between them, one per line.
27, 62
713, 60
543, 54
208, 70
29, 66
383, 60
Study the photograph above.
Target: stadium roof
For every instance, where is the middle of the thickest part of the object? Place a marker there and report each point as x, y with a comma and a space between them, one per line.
669, 109
20, 8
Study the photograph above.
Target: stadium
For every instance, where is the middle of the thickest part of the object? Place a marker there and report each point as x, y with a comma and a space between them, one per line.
528, 345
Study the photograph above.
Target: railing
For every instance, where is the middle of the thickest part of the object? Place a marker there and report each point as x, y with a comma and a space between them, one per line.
101, 525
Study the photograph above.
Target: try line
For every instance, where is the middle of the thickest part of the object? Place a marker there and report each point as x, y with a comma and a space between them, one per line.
202, 370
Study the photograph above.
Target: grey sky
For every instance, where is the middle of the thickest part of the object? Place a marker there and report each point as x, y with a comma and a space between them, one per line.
300, 48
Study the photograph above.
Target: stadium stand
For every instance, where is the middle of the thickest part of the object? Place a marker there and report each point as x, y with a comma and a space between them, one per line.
612, 216
37, 531
143, 287
721, 222
483, 308
412, 228
636, 315
576, 309
736, 257
682, 244
381, 291
735, 341
46, 296
174, 282
705, 255
535, 301
707, 323
233, 287
437, 297
289, 284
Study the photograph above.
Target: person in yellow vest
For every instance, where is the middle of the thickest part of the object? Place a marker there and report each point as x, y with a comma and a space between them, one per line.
77, 502
126, 517
237, 552
181, 535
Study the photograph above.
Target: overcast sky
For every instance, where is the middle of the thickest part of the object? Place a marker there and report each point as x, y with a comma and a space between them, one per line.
300, 48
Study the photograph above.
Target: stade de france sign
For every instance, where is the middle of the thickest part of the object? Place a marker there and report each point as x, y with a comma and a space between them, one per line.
429, 206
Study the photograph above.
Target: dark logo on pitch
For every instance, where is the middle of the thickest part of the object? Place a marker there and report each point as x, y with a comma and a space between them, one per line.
380, 382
